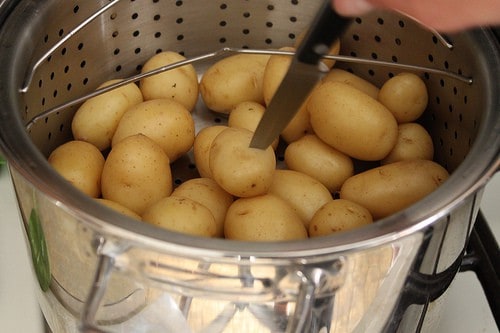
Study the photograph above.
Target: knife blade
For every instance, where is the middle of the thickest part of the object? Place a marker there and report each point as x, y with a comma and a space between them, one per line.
302, 75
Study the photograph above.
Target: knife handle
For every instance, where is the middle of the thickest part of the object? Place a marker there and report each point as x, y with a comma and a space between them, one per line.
326, 27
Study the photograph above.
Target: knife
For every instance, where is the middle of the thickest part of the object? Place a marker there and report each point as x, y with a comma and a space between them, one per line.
302, 75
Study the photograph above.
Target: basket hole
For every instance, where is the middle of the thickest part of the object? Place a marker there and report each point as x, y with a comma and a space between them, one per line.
135, 16
397, 41
380, 21
156, 17
222, 23
136, 33
223, 6
76, 9
358, 20
293, 19
157, 34
116, 51
179, 20
378, 39
246, 14
80, 46
355, 37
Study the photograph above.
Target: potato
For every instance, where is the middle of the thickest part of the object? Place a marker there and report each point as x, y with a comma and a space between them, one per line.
390, 188
118, 207
165, 121
303, 193
414, 142
340, 75
81, 164
232, 80
179, 84
263, 218
405, 95
181, 215
201, 148
208, 193
298, 126
96, 119
136, 173
338, 215
315, 158
248, 115
274, 72
351, 121
239, 169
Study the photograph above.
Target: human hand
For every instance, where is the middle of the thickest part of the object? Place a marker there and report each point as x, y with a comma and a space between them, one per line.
442, 15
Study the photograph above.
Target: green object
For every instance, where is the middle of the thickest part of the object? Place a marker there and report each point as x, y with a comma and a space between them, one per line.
39, 253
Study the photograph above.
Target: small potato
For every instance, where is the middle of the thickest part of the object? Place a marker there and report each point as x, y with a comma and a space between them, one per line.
414, 142
179, 84
248, 115
181, 215
338, 215
96, 119
81, 164
351, 121
233, 80
303, 193
136, 173
405, 95
390, 188
239, 169
263, 218
119, 208
208, 193
165, 121
340, 75
201, 148
315, 158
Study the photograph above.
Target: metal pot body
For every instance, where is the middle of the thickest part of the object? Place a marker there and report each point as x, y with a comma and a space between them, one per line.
100, 271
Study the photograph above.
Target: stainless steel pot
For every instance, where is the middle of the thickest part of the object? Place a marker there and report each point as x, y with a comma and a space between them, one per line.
100, 271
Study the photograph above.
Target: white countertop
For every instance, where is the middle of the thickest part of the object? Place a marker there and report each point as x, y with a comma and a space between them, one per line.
466, 312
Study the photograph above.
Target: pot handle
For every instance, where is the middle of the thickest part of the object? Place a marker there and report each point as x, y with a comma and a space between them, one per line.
483, 258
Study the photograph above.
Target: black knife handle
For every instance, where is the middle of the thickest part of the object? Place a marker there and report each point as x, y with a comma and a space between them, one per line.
326, 27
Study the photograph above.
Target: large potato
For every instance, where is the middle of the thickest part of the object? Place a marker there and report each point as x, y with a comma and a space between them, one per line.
165, 121
351, 121
182, 215
405, 95
208, 193
263, 218
136, 173
239, 169
96, 119
179, 84
81, 164
340, 75
303, 193
201, 148
315, 158
338, 215
414, 142
248, 115
390, 188
233, 80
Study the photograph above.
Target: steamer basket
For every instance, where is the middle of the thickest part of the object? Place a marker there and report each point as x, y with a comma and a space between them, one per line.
100, 271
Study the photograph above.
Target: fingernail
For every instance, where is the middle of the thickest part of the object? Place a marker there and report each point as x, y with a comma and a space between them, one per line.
353, 7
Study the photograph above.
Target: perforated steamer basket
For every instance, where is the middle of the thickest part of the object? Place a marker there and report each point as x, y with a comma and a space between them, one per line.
100, 271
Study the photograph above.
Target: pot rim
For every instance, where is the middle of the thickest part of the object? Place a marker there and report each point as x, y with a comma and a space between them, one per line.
472, 174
